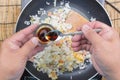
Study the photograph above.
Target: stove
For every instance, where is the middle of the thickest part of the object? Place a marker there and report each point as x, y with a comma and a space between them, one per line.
26, 75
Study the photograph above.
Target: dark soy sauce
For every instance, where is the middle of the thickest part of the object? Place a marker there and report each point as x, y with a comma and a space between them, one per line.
52, 36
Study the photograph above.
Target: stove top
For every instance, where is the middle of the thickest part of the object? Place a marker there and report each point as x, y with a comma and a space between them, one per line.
26, 75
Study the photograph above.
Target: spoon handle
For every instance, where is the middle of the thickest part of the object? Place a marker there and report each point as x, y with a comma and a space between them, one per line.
78, 33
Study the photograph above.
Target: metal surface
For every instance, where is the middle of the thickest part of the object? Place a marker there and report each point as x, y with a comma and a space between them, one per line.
69, 34
91, 9
24, 2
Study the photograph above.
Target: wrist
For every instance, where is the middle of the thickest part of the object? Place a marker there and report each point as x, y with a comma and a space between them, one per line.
113, 76
6, 76
3, 76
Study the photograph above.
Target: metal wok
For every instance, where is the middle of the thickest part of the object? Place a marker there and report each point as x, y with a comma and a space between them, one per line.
89, 8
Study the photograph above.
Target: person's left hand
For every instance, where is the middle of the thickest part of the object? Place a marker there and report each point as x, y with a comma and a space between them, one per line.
15, 51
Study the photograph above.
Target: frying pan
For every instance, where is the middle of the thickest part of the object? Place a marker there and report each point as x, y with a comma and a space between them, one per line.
87, 8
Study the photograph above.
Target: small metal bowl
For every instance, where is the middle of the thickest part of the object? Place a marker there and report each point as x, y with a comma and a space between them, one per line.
42, 30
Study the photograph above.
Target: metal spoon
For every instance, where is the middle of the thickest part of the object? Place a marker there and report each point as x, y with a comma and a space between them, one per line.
69, 34
54, 34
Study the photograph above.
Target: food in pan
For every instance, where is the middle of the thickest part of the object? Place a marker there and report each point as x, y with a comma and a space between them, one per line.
59, 57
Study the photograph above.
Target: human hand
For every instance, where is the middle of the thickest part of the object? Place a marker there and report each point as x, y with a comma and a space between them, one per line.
15, 51
104, 48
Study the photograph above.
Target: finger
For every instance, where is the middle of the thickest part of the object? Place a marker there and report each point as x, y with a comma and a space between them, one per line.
96, 24
99, 25
19, 36
76, 38
91, 35
21, 43
79, 28
36, 50
75, 44
84, 41
76, 49
29, 46
81, 42
27, 38
11, 45
107, 33
86, 47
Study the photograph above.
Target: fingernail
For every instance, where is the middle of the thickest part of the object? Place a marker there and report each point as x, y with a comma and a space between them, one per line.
35, 41
86, 28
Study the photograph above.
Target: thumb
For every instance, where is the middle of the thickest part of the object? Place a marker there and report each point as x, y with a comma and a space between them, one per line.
30, 46
91, 35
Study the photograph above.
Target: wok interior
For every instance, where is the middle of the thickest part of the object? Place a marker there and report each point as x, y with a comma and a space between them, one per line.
95, 11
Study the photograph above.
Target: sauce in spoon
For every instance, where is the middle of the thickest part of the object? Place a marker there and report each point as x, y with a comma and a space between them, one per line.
54, 34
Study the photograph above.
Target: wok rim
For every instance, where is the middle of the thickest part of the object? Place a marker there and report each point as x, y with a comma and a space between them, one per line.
25, 8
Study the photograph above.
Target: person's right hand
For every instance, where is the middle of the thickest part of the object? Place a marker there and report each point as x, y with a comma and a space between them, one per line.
104, 48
